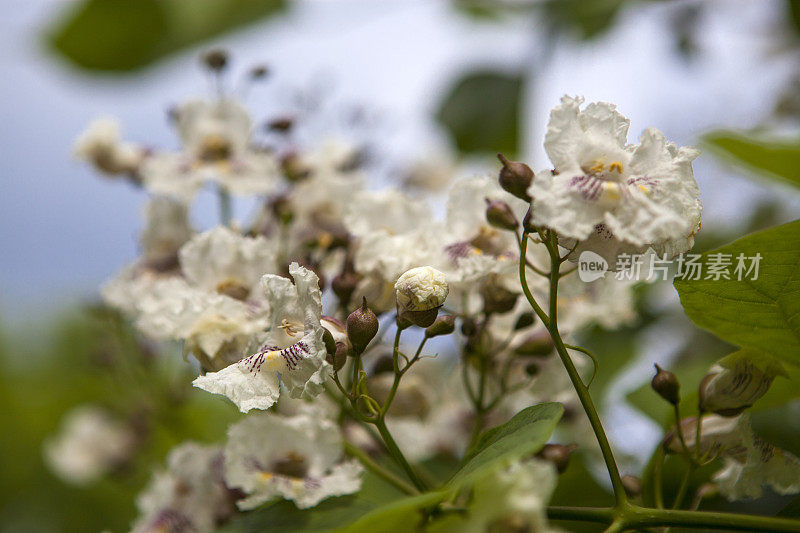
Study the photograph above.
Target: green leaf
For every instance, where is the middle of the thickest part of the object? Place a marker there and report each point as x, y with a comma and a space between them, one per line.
525, 434
401, 515
587, 19
481, 112
763, 313
121, 35
773, 158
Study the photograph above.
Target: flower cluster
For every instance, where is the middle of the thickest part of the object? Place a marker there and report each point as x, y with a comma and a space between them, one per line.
286, 313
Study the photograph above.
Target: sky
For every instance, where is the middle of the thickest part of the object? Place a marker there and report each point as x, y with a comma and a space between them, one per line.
65, 230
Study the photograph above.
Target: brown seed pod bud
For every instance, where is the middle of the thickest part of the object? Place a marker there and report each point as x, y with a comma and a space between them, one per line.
500, 215
632, 485
421, 319
443, 325
535, 345
532, 369
330, 343
497, 299
527, 222
215, 60
344, 285
558, 454
362, 326
280, 124
515, 177
666, 385
524, 320
338, 357
468, 326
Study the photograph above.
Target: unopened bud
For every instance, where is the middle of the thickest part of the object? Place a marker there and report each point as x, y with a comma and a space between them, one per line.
558, 454
422, 319
339, 356
259, 72
344, 285
532, 369
443, 325
728, 390
421, 289
666, 385
330, 343
362, 326
515, 177
632, 485
535, 345
500, 215
216, 59
280, 124
496, 297
524, 320
468, 326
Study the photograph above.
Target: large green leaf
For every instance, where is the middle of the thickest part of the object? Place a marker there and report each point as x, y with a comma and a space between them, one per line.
777, 159
481, 112
763, 313
525, 434
120, 35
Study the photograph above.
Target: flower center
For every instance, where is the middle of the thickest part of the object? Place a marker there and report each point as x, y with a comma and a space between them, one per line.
234, 288
290, 328
215, 148
293, 465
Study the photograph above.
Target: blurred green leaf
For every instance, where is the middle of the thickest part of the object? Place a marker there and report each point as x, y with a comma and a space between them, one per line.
121, 35
762, 314
585, 19
523, 435
776, 159
481, 112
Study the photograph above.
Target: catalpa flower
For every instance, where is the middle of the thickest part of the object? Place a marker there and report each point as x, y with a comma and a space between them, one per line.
100, 145
167, 228
190, 495
611, 197
298, 458
293, 354
216, 148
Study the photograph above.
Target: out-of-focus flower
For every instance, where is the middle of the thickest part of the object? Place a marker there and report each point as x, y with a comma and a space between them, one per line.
190, 495
421, 289
737, 382
167, 228
89, 445
101, 146
216, 148
512, 499
610, 197
297, 458
293, 354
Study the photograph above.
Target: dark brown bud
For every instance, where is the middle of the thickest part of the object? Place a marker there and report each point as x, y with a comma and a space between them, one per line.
500, 215
362, 326
216, 59
443, 325
259, 72
468, 326
558, 454
532, 369
535, 345
280, 124
344, 285
496, 298
422, 319
330, 343
524, 320
515, 177
632, 485
384, 364
666, 385
338, 357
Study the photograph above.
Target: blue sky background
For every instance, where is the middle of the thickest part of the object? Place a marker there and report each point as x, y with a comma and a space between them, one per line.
64, 230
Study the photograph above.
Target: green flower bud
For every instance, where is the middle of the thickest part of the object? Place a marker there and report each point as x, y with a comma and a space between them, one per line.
443, 325
666, 385
362, 326
515, 177
500, 215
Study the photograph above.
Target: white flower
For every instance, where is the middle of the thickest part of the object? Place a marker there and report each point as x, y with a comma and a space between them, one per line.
421, 289
297, 458
737, 382
511, 499
221, 260
611, 196
166, 229
216, 148
100, 145
190, 495
293, 355
90, 444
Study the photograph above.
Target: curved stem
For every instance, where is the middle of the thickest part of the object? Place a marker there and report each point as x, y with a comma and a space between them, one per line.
684, 486
583, 392
397, 455
377, 469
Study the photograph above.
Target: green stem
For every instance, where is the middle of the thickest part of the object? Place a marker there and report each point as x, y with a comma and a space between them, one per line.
397, 455
658, 468
225, 210
377, 469
684, 486
580, 388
